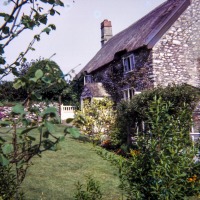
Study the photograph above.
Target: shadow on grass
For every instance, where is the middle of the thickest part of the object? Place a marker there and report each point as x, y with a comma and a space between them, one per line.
82, 139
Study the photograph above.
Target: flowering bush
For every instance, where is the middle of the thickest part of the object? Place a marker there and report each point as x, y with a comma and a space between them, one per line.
96, 119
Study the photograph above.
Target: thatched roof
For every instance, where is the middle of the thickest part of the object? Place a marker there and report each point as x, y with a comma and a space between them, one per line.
94, 90
145, 32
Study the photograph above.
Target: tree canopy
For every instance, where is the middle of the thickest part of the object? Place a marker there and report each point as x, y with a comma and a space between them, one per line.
44, 79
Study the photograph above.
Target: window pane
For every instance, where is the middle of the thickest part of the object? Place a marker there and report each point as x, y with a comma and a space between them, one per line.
132, 60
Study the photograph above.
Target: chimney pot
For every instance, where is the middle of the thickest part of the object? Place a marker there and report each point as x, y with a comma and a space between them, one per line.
106, 31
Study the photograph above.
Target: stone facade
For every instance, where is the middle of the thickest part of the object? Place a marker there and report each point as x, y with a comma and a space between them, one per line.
176, 57
115, 80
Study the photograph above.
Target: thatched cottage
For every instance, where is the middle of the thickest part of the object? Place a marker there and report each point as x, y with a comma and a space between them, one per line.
161, 48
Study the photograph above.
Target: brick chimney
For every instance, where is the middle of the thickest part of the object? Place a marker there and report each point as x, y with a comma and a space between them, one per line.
106, 31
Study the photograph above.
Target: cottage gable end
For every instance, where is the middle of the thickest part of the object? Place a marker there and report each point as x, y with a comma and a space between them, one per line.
176, 56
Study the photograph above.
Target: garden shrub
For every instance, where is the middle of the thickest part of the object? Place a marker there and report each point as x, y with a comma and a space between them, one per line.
10, 94
162, 164
92, 191
132, 116
8, 186
96, 119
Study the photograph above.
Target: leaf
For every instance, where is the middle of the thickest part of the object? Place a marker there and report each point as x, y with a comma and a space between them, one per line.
62, 138
37, 95
52, 26
69, 120
30, 138
1, 70
28, 130
6, 30
47, 30
5, 123
33, 79
8, 18
51, 1
46, 80
18, 109
2, 140
1, 49
52, 12
17, 63
3, 160
37, 37
17, 84
7, 148
60, 3
50, 127
39, 73
2, 62
15, 72
50, 110
73, 131
43, 19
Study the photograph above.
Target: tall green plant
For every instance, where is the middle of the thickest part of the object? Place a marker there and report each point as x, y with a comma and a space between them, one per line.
131, 116
162, 164
92, 191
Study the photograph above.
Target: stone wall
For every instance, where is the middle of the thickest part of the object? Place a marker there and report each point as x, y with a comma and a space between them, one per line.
176, 57
114, 80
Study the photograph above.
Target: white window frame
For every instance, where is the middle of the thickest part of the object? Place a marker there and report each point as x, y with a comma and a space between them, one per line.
129, 93
128, 63
87, 79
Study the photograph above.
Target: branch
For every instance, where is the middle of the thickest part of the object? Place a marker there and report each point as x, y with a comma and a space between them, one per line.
17, 6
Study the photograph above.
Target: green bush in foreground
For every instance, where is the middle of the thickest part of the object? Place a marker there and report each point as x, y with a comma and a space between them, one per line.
91, 192
162, 164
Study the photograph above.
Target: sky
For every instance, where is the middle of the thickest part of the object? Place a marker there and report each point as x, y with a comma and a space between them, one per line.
77, 36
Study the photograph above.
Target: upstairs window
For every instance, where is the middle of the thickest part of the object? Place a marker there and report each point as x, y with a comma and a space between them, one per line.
87, 79
129, 63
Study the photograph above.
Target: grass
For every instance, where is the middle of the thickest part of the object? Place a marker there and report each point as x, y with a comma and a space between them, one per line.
55, 174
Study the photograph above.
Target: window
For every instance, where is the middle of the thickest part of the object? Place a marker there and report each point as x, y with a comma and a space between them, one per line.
129, 63
87, 79
129, 93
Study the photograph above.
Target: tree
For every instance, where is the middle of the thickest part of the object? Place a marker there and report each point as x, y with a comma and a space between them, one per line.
48, 76
17, 21
19, 146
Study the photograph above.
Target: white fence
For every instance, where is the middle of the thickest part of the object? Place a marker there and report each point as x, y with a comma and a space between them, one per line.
67, 112
195, 136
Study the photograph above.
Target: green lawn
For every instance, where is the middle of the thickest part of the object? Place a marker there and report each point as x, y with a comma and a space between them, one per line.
55, 174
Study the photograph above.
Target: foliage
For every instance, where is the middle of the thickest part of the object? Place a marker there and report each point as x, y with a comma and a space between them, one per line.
7, 183
50, 73
131, 116
8, 93
168, 147
19, 146
16, 22
18, 151
96, 118
72, 93
91, 192
162, 162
